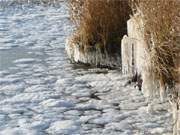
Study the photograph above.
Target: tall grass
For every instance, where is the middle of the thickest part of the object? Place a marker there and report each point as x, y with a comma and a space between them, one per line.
99, 23
162, 35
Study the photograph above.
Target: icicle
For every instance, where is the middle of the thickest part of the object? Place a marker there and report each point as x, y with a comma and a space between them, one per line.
95, 57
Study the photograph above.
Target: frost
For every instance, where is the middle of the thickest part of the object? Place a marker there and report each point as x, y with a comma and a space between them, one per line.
90, 57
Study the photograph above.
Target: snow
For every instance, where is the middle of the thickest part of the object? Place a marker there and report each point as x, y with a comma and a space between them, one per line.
63, 127
43, 93
19, 131
55, 103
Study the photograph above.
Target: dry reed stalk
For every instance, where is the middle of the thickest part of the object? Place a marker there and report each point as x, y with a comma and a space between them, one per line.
100, 23
162, 35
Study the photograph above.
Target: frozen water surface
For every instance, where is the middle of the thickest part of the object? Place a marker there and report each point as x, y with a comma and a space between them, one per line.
41, 93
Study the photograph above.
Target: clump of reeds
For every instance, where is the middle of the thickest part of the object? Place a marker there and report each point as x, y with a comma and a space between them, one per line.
162, 35
99, 23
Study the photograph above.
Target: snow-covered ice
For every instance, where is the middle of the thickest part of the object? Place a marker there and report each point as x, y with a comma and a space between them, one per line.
42, 93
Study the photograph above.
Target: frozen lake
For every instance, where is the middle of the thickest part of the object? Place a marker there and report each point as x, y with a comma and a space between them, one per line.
42, 93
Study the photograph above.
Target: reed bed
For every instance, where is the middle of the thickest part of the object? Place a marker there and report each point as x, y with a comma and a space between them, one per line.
161, 29
99, 23
162, 36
